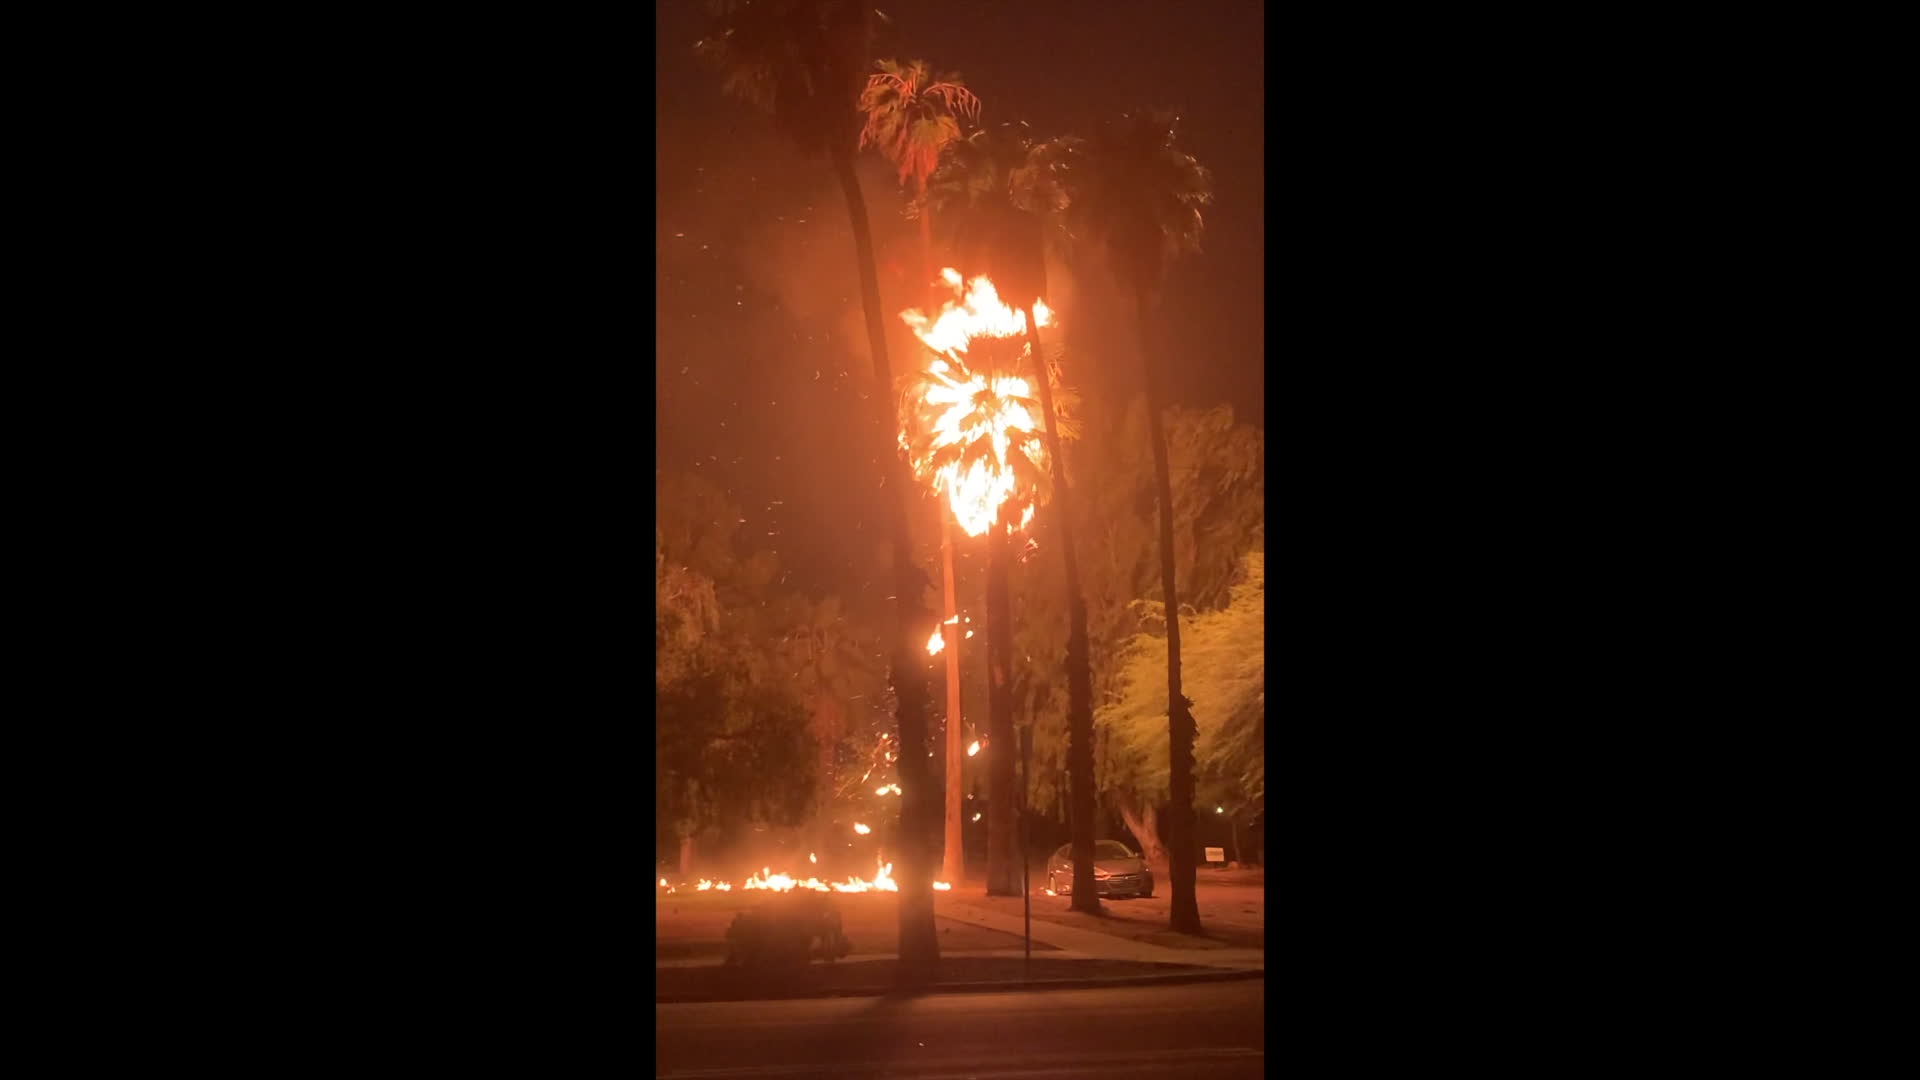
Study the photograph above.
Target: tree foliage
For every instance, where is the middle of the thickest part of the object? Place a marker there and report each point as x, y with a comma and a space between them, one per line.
912, 116
1223, 664
1135, 197
1219, 512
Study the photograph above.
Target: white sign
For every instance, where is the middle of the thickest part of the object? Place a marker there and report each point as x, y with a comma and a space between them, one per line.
1215, 854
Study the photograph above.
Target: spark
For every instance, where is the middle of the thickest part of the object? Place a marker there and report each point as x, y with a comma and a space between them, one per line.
861, 829
810, 858
973, 748
976, 817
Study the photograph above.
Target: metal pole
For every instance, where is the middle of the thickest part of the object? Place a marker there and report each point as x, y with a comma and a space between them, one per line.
1026, 904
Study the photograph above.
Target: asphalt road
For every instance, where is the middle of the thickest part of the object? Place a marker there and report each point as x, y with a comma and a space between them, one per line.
1211, 1030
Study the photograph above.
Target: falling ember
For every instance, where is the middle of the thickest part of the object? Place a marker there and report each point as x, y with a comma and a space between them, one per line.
942, 886
1050, 892
810, 858
962, 406
973, 748
881, 790
663, 883
969, 633
976, 817
861, 829
952, 620
935, 643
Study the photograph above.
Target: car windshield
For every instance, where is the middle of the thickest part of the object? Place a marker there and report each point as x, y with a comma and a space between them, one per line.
1105, 849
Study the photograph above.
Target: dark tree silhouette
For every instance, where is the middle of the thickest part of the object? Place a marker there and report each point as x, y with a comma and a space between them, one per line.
1136, 199
805, 62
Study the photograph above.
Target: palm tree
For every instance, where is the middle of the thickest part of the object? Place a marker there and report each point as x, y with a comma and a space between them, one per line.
911, 119
1136, 197
804, 62
985, 450
1004, 190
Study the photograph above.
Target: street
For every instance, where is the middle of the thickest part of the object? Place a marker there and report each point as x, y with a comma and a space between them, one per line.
1213, 1030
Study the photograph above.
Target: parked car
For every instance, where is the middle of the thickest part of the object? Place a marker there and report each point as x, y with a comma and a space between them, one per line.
1116, 871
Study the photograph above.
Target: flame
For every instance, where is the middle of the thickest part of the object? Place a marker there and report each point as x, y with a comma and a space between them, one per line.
861, 829
956, 398
973, 748
936, 643
769, 881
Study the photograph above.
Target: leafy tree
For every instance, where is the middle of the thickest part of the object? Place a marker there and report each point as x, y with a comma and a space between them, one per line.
1136, 199
1225, 660
804, 62
725, 748
1219, 510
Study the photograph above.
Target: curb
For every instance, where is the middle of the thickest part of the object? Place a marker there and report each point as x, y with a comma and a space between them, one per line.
1108, 982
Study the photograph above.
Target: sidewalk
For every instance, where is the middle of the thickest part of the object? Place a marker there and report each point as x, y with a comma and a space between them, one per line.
1089, 944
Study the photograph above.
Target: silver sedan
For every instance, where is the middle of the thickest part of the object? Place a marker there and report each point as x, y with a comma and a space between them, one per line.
1116, 871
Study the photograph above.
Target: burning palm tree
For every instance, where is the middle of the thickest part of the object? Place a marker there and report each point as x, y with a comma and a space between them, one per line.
971, 433
1003, 190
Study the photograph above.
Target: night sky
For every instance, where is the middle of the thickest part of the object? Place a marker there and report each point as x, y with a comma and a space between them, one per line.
761, 356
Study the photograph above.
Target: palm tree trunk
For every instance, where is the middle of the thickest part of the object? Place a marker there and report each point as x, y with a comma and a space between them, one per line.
1145, 827
1079, 680
926, 246
919, 943
952, 868
1003, 871
1185, 915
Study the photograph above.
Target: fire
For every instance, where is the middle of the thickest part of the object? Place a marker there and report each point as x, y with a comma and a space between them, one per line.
935, 643
861, 829
973, 747
769, 881
962, 406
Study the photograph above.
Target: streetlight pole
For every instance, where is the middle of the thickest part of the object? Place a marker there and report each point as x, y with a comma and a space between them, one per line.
1026, 902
